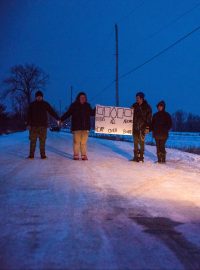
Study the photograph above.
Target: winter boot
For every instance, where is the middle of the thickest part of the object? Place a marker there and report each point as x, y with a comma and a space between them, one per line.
42, 153
135, 158
31, 156
76, 157
43, 156
140, 156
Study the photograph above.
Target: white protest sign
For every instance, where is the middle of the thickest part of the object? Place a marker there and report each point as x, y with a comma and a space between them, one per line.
113, 120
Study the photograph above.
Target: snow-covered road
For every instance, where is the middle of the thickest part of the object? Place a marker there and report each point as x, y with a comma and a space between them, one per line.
105, 213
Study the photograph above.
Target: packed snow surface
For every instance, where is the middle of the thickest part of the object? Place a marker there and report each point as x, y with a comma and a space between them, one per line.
105, 213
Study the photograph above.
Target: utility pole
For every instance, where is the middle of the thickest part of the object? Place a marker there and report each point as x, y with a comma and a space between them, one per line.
117, 69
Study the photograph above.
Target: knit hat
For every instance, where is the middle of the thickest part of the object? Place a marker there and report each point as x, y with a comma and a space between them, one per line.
140, 94
161, 103
39, 94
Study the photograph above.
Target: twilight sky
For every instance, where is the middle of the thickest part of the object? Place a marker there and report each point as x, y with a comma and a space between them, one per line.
74, 42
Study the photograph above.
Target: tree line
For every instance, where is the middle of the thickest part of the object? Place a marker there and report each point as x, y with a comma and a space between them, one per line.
185, 122
24, 80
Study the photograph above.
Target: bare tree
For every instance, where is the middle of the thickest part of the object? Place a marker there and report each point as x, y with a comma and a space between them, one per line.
19, 107
23, 81
179, 120
3, 113
183, 121
193, 123
3, 117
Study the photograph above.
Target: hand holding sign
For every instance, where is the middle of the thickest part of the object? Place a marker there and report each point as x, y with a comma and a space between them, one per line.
113, 120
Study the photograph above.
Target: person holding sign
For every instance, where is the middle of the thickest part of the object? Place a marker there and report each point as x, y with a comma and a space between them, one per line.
80, 112
141, 125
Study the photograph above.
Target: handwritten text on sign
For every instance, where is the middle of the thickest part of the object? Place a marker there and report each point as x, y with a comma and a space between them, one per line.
113, 120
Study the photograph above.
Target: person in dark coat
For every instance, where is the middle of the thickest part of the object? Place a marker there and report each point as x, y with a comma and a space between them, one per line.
161, 124
142, 116
37, 123
80, 112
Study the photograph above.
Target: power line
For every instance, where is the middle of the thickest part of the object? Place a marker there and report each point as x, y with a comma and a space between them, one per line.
114, 81
103, 90
111, 33
171, 22
151, 36
146, 62
160, 53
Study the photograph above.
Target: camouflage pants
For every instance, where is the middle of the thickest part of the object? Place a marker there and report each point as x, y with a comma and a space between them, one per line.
35, 133
139, 141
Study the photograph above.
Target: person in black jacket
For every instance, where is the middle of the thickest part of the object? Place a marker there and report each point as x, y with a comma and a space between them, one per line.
38, 122
141, 125
161, 124
80, 112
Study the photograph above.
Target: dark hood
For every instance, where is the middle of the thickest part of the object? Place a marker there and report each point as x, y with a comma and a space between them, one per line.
80, 94
162, 103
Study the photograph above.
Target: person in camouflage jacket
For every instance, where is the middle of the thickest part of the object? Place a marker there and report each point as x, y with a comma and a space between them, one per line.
37, 123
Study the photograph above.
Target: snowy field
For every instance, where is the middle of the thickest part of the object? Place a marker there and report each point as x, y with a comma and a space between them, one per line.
105, 213
180, 140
